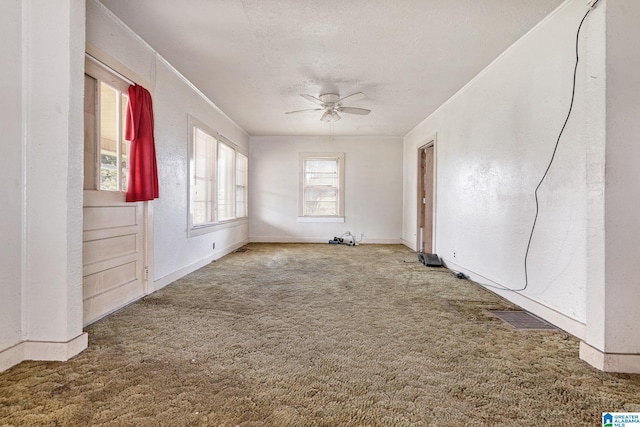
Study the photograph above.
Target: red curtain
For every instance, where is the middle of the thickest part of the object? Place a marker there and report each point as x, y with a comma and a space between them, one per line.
143, 170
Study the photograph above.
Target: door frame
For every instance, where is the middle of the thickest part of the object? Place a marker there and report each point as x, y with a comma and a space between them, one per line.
432, 141
101, 71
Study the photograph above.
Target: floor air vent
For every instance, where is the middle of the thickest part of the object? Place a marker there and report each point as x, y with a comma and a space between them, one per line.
523, 320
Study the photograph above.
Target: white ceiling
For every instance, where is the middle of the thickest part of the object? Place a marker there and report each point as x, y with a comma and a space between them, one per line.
253, 58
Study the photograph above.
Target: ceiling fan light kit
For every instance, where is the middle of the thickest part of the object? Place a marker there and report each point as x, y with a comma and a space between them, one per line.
330, 116
332, 104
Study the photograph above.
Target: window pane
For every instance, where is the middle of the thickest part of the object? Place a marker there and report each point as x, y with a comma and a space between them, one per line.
321, 208
315, 194
108, 137
202, 178
226, 182
322, 165
321, 172
124, 153
242, 174
321, 201
321, 179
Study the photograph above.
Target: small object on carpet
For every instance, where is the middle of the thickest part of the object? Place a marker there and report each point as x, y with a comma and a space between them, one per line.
430, 260
522, 320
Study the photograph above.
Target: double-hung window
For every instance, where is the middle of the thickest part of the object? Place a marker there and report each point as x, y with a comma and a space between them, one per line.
321, 187
242, 187
203, 177
218, 175
106, 151
226, 182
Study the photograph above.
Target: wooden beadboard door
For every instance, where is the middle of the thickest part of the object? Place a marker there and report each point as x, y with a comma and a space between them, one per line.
112, 253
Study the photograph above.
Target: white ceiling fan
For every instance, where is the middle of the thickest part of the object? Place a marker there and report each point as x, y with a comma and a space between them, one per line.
332, 104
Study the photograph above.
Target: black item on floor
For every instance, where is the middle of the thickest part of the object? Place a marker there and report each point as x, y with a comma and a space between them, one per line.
334, 242
430, 260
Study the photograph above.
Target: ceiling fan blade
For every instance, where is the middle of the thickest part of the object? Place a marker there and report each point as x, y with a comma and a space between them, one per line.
311, 98
353, 97
352, 110
302, 111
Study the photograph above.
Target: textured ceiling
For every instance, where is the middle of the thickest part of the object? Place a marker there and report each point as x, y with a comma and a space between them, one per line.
253, 58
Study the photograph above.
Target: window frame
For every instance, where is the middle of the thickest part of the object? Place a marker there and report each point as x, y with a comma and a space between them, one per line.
121, 86
230, 199
216, 224
340, 159
211, 177
244, 187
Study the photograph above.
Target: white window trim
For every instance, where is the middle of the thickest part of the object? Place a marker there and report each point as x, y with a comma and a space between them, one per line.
320, 219
341, 189
200, 229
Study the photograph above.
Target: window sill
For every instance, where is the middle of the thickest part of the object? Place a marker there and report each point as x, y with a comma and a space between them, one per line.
320, 219
210, 228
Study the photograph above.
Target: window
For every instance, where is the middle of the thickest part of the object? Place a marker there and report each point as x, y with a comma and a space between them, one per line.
321, 186
242, 178
106, 151
218, 180
226, 182
113, 147
203, 182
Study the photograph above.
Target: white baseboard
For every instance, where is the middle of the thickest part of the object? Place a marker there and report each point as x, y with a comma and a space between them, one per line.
172, 277
42, 350
11, 356
287, 239
562, 321
610, 362
410, 245
290, 239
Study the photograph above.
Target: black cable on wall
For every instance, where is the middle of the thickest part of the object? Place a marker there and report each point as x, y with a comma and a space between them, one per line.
555, 148
553, 155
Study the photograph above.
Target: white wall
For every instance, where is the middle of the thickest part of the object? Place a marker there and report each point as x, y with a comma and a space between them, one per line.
11, 165
494, 140
373, 181
174, 100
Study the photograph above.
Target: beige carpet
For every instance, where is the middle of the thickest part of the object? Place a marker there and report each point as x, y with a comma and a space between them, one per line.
316, 335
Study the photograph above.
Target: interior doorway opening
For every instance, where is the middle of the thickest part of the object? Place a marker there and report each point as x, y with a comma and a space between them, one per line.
426, 198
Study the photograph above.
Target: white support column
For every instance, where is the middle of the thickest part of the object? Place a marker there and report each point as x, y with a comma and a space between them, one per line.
613, 292
11, 190
52, 97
